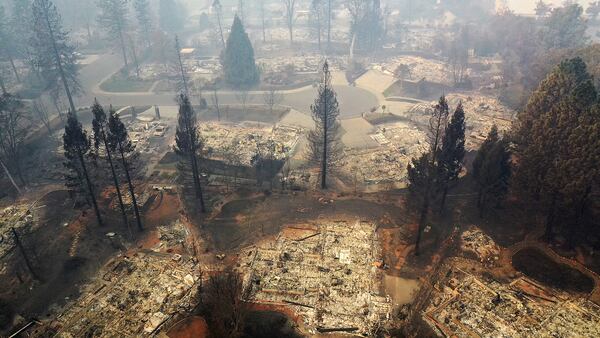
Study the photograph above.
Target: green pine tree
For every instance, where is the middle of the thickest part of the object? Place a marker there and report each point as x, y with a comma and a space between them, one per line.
492, 171
452, 153
550, 145
239, 66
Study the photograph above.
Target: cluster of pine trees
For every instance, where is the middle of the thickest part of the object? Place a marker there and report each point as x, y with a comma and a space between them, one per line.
432, 174
557, 146
83, 156
548, 162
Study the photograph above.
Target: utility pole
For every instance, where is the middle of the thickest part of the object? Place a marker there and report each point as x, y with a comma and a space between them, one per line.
22, 249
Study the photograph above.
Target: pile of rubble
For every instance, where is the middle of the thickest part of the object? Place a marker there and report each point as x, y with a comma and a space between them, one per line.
420, 68
147, 135
398, 142
154, 71
464, 305
482, 112
327, 273
134, 298
240, 142
480, 244
170, 236
385, 165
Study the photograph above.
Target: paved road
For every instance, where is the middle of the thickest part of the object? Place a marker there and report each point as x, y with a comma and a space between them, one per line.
353, 101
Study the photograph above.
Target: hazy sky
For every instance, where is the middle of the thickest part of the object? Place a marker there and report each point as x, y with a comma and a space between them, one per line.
527, 6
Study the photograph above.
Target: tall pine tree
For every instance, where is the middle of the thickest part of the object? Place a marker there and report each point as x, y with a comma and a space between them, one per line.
54, 53
144, 20
492, 171
188, 144
452, 153
552, 143
119, 141
422, 172
100, 129
324, 141
113, 19
77, 146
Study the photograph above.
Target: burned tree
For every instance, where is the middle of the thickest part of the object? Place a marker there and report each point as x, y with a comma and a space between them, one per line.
118, 140
225, 306
144, 20
317, 10
182, 84
54, 53
216, 5
100, 129
12, 133
290, 16
272, 97
422, 173
113, 18
40, 109
77, 146
325, 145
188, 144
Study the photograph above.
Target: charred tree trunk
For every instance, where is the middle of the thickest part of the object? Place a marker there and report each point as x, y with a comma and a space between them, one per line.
14, 68
24, 253
117, 187
91, 193
131, 189
61, 71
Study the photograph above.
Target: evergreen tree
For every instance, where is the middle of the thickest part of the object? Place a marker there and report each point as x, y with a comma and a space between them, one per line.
593, 10
20, 23
552, 144
452, 153
418, 175
8, 47
239, 66
77, 146
113, 19
54, 53
492, 171
423, 178
366, 23
324, 141
144, 20
542, 9
119, 141
171, 16
100, 128
564, 28
188, 144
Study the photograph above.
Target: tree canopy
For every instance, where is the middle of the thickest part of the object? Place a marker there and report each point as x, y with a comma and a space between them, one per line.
239, 66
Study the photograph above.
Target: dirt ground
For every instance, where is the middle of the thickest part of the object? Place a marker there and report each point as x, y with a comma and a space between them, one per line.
243, 221
69, 248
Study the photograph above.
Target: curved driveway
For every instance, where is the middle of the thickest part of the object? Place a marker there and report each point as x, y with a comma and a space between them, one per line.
353, 101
